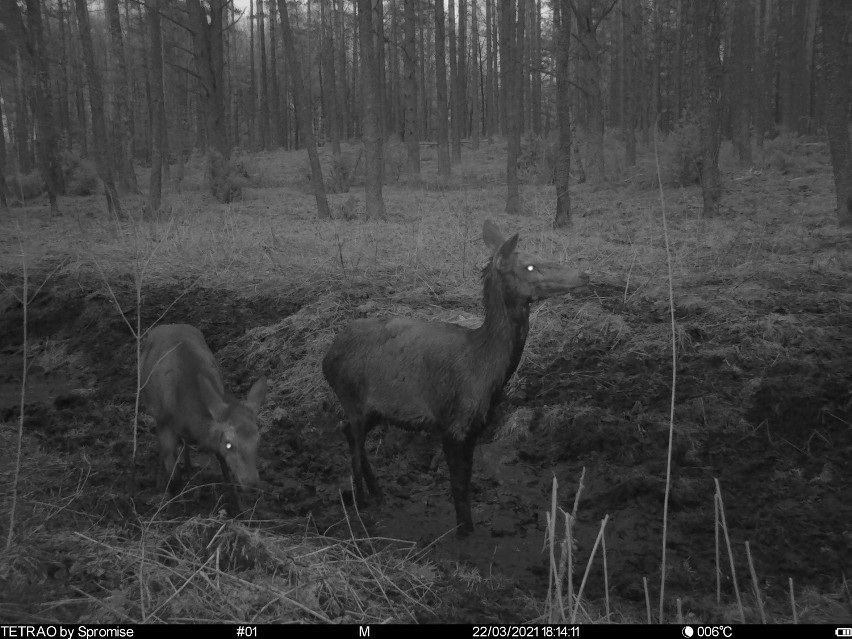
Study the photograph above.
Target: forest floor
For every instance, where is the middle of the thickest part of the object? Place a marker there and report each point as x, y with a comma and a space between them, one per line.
763, 403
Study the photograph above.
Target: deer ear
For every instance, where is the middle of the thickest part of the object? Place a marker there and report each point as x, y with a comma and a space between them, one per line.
256, 395
212, 398
492, 236
505, 251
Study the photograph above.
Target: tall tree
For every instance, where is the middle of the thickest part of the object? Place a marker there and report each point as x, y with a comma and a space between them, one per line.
157, 118
263, 129
740, 85
455, 99
274, 110
206, 23
48, 143
303, 111
369, 15
412, 141
476, 128
252, 94
588, 19
561, 40
835, 21
514, 21
441, 116
330, 80
708, 21
490, 102
461, 76
96, 103
4, 203
122, 129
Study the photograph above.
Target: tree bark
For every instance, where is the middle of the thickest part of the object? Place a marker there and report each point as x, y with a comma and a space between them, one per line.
303, 112
707, 30
263, 129
206, 24
122, 129
490, 103
96, 103
455, 102
275, 136
589, 77
155, 180
562, 39
4, 202
515, 22
412, 141
48, 145
835, 18
475, 117
368, 18
441, 118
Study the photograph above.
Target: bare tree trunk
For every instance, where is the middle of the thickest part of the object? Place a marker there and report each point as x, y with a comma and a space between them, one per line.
252, 97
4, 202
412, 142
589, 77
461, 76
707, 31
514, 101
371, 99
122, 135
330, 84
275, 138
742, 56
48, 145
21, 120
155, 183
64, 78
342, 89
441, 123
490, 103
476, 118
206, 24
263, 129
535, 98
303, 112
96, 102
455, 101
562, 39
834, 19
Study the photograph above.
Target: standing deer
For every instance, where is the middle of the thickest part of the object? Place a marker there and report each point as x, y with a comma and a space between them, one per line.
441, 376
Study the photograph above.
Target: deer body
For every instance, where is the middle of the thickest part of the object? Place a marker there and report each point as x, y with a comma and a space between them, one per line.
182, 389
441, 376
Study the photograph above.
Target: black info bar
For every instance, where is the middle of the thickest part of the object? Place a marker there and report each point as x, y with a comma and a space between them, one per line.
430, 631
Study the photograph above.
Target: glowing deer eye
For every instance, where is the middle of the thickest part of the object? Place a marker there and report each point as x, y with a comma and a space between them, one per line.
228, 445
530, 268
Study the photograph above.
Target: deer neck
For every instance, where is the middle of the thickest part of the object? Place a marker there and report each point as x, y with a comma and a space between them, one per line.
500, 341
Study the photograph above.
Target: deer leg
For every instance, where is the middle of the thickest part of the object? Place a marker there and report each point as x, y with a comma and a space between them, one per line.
232, 500
459, 456
168, 455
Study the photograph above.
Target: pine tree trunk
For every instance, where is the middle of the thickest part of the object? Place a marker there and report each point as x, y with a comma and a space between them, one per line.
122, 129
490, 119
412, 142
4, 201
155, 183
96, 102
834, 18
514, 100
252, 97
461, 76
441, 117
263, 128
707, 31
275, 137
589, 76
330, 85
303, 112
371, 100
455, 102
476, 117
562, 39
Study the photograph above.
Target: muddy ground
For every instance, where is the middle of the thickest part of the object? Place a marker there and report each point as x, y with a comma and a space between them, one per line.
777, 435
